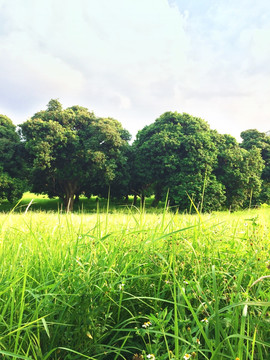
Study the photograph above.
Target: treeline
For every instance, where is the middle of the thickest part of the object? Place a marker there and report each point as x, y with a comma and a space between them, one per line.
69, 152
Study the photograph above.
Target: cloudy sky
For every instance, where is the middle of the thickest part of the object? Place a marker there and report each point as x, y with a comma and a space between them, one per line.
135, 59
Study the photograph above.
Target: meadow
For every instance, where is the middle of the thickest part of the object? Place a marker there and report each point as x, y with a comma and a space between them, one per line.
133, 283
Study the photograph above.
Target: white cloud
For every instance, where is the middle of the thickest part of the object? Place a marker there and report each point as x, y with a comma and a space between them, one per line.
113, 56
133, 60
229, 63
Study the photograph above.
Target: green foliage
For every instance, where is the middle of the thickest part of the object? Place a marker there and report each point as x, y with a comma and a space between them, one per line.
72, 151
12, 166
178, 152
11, 189
253, 138
181, 153
119, 186
68, 152
239, 171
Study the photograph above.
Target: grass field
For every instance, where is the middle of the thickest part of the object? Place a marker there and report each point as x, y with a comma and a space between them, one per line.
43, 203
128, 284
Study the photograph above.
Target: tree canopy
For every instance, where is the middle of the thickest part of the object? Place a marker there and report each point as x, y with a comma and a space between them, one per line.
12, 169
239, 171
72, 150
181, 153
68, 152
177, 152
252, 138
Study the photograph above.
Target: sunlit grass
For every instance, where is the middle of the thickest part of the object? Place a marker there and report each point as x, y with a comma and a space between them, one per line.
85, 205
77, 286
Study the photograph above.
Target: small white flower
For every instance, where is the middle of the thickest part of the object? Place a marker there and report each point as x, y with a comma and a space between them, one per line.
187, 356
121, 286
146, 325
205, 320
198, 342
151, 357
185, 282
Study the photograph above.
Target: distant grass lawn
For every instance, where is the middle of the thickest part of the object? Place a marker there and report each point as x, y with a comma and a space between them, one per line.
43, 203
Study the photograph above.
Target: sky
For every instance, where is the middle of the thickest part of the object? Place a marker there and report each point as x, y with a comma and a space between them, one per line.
135, 59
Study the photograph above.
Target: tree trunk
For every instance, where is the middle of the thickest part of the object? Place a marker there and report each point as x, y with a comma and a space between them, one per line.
77, 199
156, 200
135, 200
157, 195
69, 202
70, 191
142, 199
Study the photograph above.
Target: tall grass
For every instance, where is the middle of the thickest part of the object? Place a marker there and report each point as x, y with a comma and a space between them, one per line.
128, 284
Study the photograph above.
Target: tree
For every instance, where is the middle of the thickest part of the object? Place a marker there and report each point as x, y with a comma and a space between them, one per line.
12, 168
72, 150
119, 186
239, 171
178, 152
253, 138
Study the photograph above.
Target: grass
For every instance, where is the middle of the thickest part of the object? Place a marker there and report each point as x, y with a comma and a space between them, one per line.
43, 203
126, 284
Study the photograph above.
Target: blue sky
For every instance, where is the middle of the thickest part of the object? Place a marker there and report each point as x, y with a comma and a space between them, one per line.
135, 59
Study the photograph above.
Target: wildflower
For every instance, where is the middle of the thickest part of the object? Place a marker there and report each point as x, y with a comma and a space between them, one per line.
167, 281
121, 286
237, 358
185, 282
146, 325
151, 357
198, 341
187, 356
205, 320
